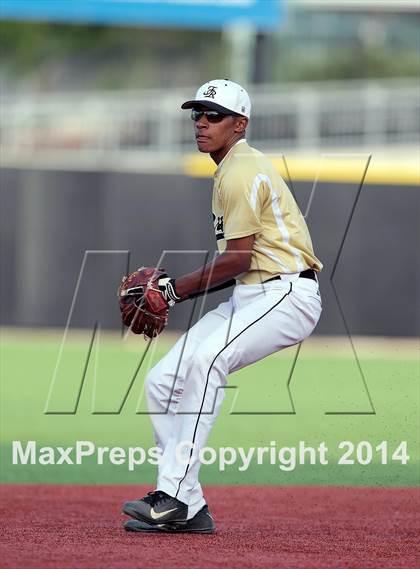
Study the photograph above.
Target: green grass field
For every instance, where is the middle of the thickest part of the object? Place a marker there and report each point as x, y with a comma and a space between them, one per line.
330, 404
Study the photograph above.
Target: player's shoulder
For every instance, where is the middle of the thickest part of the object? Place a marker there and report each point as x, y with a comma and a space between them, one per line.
245, 164
244, 154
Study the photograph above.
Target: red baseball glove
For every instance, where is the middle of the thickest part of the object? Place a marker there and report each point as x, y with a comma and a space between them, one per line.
144, 308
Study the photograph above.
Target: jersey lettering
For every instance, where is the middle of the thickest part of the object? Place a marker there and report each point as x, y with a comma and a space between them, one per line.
218, 226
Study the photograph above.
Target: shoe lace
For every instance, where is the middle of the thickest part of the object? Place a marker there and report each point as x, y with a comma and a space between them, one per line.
159, 496
150, 497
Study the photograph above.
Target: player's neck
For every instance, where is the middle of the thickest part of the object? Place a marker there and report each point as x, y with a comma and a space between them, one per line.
218, 155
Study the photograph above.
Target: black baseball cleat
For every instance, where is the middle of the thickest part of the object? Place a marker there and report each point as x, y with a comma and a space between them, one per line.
149, 499
157, 508
202, 522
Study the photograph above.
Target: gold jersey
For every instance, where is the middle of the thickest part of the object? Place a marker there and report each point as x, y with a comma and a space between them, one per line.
250, 197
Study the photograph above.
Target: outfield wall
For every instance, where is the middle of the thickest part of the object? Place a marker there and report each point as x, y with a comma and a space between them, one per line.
50, 218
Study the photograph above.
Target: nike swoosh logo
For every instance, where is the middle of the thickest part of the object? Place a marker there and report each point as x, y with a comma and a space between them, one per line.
157, 515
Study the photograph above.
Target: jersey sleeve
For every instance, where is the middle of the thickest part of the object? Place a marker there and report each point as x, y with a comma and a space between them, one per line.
241, 209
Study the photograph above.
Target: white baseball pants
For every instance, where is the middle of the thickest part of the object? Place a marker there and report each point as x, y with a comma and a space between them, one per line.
185, 389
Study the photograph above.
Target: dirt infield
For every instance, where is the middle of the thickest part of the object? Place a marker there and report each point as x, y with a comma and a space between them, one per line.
63, 527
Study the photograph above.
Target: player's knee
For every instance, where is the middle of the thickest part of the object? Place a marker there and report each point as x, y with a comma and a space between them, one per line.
206, 357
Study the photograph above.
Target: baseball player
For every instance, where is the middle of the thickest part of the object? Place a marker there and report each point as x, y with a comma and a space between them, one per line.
264, 249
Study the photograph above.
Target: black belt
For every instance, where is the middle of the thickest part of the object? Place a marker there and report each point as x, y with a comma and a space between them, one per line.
308, 274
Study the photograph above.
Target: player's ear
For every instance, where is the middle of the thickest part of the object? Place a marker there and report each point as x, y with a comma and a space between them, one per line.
240, 124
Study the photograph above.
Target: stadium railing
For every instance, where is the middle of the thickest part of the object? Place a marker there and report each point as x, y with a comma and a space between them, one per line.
127, 126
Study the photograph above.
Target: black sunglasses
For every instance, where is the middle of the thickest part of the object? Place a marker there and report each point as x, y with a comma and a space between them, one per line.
212, 116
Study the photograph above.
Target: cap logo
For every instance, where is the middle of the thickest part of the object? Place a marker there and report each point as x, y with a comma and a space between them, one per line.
243, 108
211, 92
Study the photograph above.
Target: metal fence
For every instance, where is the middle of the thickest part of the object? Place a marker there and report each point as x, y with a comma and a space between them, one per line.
100, 126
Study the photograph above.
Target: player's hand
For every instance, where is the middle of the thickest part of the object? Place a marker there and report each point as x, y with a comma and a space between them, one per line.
168, 290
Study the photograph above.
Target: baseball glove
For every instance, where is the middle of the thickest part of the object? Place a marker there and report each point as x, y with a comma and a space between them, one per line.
143, 307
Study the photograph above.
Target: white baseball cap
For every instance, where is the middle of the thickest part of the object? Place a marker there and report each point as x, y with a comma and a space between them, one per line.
222, 95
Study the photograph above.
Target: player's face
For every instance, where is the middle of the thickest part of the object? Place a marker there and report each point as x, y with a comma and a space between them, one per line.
214, 133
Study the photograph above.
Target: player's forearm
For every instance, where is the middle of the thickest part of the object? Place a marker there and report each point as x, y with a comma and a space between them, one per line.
225, 267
